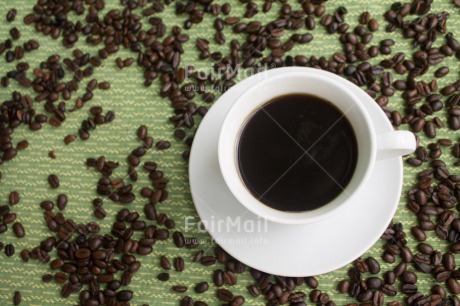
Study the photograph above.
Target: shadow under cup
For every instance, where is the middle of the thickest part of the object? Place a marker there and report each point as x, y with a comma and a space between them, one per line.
285, 85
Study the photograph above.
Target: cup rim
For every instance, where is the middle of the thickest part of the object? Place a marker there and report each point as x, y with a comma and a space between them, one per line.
235, 183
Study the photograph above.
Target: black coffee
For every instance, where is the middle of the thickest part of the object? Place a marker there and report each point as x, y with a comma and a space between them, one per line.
297, 152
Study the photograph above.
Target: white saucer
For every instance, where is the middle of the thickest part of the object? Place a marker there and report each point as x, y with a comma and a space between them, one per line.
290, 250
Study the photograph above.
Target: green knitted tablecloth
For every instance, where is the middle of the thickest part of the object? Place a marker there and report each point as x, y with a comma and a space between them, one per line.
134, 105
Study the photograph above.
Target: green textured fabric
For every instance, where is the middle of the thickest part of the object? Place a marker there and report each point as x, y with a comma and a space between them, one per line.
134, 105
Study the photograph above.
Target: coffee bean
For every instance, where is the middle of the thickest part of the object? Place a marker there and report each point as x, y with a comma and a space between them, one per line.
124, 295
10, 154
229, 278
61, 201
365, 296
100, 213
448, 90
163, 277
180, 289
15, 33
389, 290
455, 248
11, 15
254, 291
14, 198
22, 145
441, 72
201, 287
430, 129
238, 301
453, 286
9, 250
142, 132
311, 282
448, 261
46, 278
69, 139
374, 266
374, 282
343, 286
163, 145
208, 260
373, 25
224, 295
425, 248
186, 301
53, 181
18, 230
164, 263
388, 258
418, 233
218, 278
409, 277
17, 298
179, 264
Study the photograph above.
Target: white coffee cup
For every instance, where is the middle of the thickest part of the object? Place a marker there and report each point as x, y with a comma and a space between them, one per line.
371, 146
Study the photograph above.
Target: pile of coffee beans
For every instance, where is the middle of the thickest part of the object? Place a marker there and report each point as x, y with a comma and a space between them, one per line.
98, 265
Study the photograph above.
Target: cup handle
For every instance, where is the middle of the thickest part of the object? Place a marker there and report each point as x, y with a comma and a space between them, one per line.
395, 144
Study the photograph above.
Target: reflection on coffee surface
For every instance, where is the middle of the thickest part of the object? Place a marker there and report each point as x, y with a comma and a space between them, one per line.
297, 152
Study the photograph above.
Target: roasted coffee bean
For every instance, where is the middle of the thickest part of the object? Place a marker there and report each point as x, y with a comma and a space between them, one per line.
409, 277
365, 296
179, 239
440, 72
22, 145
373, 25
453, 286
14, 198
186, 301
224, 295
388, 290
311, 282
254, 291
25, 255
448, 261
18, 230
374, 282
47, 278
229, 278
455, 248
179, 288
418, 233
9, 250
201, 287
17, 298
400, 269
163, 277
124, 295
69, 139
425, 248
208, 260
53, 181
388, 258
164, 263
343, 286
61, 201
430, 129
373, 265
179, 264
142, 132
163, 145
11, 15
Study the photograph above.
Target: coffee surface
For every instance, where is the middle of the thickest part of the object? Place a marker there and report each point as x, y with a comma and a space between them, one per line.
297, 152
